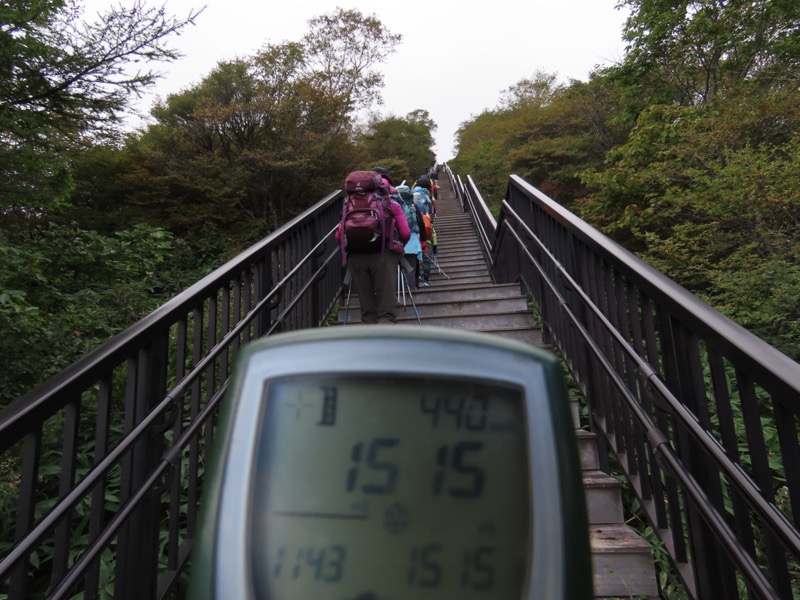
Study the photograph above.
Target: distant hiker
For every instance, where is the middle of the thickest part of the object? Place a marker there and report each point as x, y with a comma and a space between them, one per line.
416, 223
424, 182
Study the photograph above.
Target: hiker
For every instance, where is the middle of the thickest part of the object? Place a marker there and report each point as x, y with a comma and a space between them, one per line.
413, 249
423, 203
424, 183
372, 233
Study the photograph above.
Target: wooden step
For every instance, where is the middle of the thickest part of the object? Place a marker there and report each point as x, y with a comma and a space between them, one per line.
622, 565
458, 260
465, 306
472, 322
462, 269
587, 449
603, 498
456, 293
437, 279
529, 335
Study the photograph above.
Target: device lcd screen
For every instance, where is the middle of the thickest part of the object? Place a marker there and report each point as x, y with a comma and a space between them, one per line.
381, 487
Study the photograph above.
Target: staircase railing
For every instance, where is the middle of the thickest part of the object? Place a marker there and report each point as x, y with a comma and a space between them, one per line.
101, 467
701, 416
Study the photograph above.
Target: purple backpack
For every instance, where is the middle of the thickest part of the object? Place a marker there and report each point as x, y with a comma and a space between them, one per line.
367, 220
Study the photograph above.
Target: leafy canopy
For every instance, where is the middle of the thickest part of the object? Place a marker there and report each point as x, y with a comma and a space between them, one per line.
62, 78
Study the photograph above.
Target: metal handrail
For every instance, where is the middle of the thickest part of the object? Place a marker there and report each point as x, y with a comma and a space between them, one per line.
638, 346
661, 372
660, 445
162, 379
471, 201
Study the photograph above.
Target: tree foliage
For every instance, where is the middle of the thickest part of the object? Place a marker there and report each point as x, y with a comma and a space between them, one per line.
343, 48
65, 290
702, 48
685, 152
545, 132
404, 143
100, 230
261, 138
705, 186
62, 78
709, 196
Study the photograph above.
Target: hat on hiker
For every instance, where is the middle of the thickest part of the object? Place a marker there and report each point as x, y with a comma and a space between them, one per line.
383, 173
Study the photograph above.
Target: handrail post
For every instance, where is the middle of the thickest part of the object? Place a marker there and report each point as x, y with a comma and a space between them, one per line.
138, 547
316, 304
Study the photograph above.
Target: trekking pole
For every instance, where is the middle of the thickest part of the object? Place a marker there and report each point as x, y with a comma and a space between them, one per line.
433, 261
400, 288
408, 287
347, 281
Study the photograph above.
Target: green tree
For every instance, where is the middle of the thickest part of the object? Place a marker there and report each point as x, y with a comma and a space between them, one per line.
693, 50
546, 132
708, 195
342, 49
404, 142
61, 78
481, 151
260, 139
538, 91
563, 130
65, 290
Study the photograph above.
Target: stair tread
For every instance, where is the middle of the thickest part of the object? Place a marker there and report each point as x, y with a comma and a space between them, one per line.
615, 538
597, 478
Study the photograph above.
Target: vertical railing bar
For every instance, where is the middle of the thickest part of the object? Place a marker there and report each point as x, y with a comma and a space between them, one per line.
626, 368
194, 409
248, 301
637, 384
123, 574
294, 253
666, 421
659, 491
176, 488
29, 476
759, 456
703, 467
601, 299
787, 424
650, 336
719, 384
211, 342
260, 293
610, 349
69, 455
98, 499
762, 475
649, 316
181, 341
597, 398
225, 328
307, 317
237, 310
599, 393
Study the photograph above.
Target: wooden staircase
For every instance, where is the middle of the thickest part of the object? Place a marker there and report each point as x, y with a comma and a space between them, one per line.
463, 296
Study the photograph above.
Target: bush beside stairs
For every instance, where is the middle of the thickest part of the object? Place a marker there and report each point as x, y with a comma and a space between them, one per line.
463, 296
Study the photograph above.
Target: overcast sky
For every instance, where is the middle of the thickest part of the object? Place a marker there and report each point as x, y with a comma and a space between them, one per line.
454, 60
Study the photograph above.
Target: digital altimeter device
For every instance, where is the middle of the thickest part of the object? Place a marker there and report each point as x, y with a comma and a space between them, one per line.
393, 463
